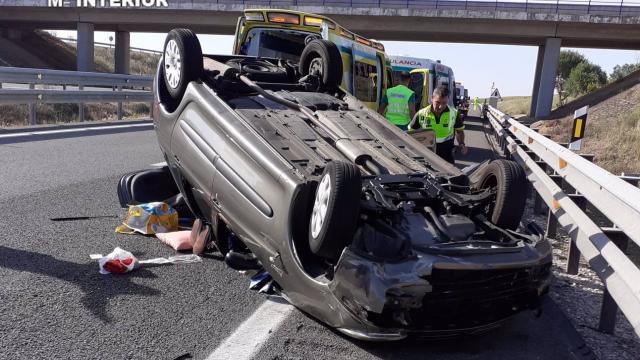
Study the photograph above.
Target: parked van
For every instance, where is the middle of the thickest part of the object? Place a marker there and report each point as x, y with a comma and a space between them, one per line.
284, 34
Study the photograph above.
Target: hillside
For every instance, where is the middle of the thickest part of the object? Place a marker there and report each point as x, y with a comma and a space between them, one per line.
612, 133
39, 49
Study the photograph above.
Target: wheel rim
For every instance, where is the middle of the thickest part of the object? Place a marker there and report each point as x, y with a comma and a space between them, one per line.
320, 205
172, 64
315, 66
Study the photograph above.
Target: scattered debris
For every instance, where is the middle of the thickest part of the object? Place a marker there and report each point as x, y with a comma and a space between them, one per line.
178, 240
120, 261
149, 219
74, 218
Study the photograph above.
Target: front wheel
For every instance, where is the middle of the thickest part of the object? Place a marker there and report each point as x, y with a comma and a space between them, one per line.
335, 210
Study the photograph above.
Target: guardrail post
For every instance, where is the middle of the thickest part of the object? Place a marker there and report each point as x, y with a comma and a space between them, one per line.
80, 107
119, 111
573, 258
552, 221
32, 109
609, 308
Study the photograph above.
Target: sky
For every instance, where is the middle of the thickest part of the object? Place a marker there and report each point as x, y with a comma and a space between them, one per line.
477, 66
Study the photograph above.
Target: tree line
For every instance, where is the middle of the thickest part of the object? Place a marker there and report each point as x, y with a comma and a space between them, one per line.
577, 75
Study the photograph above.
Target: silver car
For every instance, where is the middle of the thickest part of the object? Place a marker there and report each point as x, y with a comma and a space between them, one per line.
359, 224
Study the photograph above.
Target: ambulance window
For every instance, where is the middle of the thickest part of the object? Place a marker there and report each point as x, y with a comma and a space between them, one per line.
390, 81
365, 82
417, 85
275, 43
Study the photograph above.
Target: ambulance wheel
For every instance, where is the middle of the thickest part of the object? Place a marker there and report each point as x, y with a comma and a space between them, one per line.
335, 210
322, 58
182, 61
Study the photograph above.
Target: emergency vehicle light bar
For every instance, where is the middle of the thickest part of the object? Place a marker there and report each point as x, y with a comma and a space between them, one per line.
254, 16
284, 18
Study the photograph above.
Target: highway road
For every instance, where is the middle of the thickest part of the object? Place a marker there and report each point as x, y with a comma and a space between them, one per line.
54, 304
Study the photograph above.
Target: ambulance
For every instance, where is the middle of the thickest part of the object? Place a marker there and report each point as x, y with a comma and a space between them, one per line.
426, 75
284, 33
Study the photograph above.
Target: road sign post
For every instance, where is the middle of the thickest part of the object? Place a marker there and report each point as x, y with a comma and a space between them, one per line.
577, 132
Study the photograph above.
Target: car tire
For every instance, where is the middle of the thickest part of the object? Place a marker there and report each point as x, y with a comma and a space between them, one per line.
181, 61
322, 57
335, 210
510, 181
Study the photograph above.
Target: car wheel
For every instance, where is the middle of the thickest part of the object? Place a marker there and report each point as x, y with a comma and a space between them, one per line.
335, 210
182, 61
322, 58
510, 182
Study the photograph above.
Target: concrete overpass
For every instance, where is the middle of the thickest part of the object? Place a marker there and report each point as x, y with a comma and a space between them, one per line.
548, 25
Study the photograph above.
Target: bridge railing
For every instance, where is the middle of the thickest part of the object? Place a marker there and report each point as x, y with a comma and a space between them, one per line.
567, 183
18, 86
574, 7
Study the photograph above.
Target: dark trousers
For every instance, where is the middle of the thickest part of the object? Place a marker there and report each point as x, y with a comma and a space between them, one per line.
445, 150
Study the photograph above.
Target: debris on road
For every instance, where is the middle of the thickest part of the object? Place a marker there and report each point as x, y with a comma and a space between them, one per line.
120, 261
178, 240
149, 219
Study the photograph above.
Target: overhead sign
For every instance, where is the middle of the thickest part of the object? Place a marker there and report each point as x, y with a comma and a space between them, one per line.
579, 124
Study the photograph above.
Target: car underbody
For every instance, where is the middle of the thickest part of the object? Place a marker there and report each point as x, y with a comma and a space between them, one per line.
359, 224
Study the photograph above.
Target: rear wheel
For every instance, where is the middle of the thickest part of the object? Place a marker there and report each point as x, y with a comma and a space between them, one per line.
182, 61
322, 58
335, 210
510, 182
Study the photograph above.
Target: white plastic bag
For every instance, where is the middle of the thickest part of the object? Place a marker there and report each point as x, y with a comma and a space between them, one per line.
117, 262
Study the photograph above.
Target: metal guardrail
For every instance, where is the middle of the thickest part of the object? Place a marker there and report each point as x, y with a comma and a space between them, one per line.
118, 88
566, 182
111, 46
574, 7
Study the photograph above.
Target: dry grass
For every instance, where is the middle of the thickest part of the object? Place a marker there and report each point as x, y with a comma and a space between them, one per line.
18, 115
517, 106
612, 133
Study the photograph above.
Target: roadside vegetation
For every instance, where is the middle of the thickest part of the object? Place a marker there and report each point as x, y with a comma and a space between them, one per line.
612, 133
141, 63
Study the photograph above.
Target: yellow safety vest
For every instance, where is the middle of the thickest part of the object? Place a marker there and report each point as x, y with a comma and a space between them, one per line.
443, 129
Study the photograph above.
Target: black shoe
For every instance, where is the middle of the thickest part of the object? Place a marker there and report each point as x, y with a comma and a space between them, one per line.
240, 261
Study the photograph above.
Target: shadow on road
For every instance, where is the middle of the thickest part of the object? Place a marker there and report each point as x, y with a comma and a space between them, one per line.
97, 289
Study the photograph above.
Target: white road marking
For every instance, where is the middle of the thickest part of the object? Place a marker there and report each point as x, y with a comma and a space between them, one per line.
60, 131
249, 337
160, 164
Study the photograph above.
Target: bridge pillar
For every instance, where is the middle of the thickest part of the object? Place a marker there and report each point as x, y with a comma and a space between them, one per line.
545, 78
122, 52
85, 47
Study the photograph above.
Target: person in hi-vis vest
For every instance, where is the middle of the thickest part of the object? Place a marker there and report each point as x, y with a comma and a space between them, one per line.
444, 121
398, 104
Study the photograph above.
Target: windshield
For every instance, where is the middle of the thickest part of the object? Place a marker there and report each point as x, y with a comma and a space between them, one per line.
276, 43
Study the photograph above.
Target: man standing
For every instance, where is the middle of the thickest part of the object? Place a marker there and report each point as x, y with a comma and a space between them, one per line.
398, 104
444, 121
475, 103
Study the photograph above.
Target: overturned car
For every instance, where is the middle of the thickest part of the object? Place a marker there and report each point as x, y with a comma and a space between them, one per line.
359, 224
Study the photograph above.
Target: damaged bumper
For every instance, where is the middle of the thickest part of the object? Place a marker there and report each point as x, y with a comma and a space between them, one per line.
436, 296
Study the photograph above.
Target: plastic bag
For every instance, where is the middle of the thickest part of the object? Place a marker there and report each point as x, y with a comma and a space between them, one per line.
149, 219
121, 261
117, 262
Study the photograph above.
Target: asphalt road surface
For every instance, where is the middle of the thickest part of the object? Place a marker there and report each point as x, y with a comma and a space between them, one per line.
54, 304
